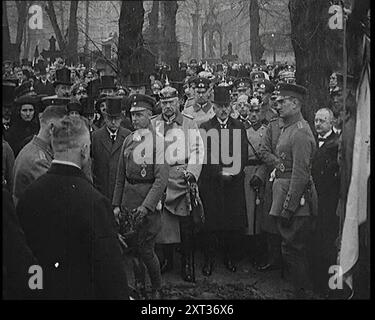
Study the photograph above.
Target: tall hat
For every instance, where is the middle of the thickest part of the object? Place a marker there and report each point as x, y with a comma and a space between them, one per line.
107, 82
221, 95
87, 106
93, 88
62, 77
8, 93
113, 106
138, 79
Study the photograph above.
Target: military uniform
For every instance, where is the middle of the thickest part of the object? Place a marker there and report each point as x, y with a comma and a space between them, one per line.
254, 167
294, 201
33, 161
142, 182
200, 112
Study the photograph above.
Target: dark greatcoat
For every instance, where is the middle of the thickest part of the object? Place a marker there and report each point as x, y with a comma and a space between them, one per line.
105, 158
44, 89
67, 221
223, 197
325, 171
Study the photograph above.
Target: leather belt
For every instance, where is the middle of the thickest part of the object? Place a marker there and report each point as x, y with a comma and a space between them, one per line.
140, 181
254, 162
283, 175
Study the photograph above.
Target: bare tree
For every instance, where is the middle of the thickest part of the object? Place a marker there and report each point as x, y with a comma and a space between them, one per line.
67, 46
256, 47
169, 47
130, 37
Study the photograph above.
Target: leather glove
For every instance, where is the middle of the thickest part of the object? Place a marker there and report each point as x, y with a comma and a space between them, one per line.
256, 182
287, 216
189, 177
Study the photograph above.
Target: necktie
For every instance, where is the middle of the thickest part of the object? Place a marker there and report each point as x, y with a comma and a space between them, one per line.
223, 125
113, 137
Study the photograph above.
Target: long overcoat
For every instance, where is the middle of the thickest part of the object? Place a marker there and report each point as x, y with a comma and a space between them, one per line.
105, 156
223, 196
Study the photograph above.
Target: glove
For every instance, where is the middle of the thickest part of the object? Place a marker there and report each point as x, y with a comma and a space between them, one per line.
189, 177
287, 216
256, 182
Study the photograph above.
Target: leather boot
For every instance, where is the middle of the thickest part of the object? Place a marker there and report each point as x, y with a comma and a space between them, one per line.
187, 265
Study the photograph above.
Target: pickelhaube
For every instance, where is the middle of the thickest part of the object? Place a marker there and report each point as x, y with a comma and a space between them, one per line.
168, 92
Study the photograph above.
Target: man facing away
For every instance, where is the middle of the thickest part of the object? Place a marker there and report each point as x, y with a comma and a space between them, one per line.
70, 226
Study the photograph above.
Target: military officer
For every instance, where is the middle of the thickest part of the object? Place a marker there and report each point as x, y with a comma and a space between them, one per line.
265, 90
294, 200
36, 157
186, 166
202, 110
255, 175
242, 86
140, 186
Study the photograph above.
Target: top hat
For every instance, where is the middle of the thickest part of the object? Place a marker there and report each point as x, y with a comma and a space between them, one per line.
8, 93
93, 88
107, 82
221, 95
113, 106
62, 77
87, 106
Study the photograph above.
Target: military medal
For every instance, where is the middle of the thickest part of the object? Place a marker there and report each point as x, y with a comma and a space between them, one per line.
257, 201
143, 171
282, 168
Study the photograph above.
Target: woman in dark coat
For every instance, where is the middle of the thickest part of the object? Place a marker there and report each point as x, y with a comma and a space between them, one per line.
25, 122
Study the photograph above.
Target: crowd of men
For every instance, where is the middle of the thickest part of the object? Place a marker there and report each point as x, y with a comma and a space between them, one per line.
70, 175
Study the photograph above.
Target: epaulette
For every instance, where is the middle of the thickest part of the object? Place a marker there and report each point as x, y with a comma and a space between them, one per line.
187, 116
299, 125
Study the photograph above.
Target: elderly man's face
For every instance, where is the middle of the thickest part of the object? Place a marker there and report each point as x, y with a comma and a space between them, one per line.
113, 122
63, 90
222, 111
323, 122
169, 106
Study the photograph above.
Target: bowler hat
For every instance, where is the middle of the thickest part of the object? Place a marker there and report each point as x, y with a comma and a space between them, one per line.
140, 102
221, 95
62, 77
113, 106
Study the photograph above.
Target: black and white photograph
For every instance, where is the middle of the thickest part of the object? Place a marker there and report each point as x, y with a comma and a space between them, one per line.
208, 151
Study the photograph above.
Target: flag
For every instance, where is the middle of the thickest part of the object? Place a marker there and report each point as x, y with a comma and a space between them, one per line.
356, 205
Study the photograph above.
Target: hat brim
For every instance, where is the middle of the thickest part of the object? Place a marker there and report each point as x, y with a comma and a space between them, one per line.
56, 83
135, 109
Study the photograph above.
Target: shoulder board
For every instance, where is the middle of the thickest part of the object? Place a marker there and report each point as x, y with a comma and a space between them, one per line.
300, 125
42, 156
154, 116
187, 116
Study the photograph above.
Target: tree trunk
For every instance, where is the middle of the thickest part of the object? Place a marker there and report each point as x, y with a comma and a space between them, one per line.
256, 47
72, 45
168, 34
318, 50
52, 16
62, 18
7, 47
195, 34
22, 8
130, 35
154, 28
87, 28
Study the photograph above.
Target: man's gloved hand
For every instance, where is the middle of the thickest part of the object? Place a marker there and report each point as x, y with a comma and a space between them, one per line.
287, 216
256, 182
189, 177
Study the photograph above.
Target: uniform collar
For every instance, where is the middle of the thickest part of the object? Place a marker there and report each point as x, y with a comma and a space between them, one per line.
256, 126
326, 135
44, 145
177, 117
292, 120
67, 163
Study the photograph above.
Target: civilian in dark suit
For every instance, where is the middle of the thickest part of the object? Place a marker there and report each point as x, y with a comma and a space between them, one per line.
325, 175
70, 226
42, 86
106, 147
224, 205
